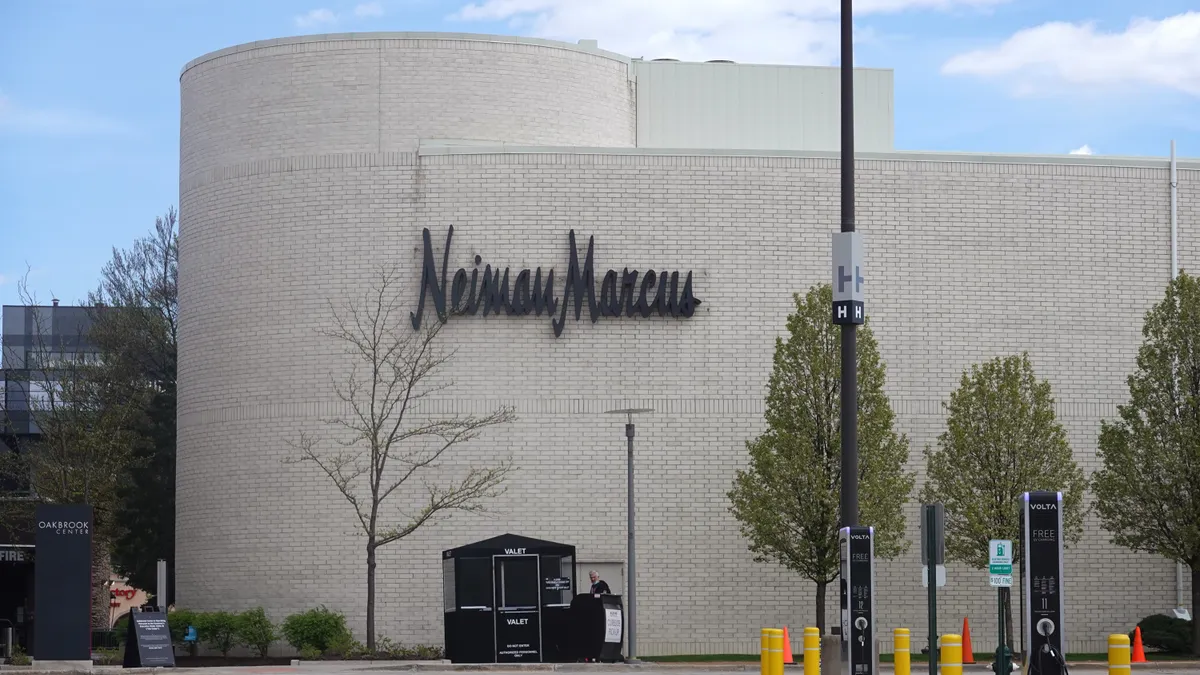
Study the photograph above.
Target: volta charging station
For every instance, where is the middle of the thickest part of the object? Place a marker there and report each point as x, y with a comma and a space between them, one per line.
1044, 619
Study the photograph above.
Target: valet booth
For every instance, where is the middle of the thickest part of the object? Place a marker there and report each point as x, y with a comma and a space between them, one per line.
508, 600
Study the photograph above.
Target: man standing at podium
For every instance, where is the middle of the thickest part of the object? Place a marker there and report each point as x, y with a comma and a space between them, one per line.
599, 587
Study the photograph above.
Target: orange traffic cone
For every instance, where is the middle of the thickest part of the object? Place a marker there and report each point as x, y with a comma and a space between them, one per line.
1139, 656
967, 655
787, 647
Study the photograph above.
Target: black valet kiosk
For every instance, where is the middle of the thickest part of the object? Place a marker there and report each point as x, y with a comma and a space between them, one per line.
507, 600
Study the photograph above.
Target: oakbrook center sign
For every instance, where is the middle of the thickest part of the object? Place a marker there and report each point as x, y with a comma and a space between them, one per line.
620, 292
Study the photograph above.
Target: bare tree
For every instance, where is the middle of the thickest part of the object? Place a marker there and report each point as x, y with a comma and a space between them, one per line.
384, 442
81, 448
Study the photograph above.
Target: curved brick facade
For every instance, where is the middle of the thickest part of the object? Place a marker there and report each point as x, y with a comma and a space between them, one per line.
268, 236
382, 92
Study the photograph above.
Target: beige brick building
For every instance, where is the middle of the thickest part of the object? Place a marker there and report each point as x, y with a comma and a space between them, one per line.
307, 161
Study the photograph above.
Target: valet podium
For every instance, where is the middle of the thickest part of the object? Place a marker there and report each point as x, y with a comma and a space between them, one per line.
597, 627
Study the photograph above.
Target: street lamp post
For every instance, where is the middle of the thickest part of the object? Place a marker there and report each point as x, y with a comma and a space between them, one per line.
848, 277
631, 551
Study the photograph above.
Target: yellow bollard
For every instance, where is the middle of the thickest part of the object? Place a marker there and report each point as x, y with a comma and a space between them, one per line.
775, 650
1118, 654
951, 659
765, 655
812, 651
901, 651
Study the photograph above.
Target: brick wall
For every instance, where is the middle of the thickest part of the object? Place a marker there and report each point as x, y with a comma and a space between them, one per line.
382, 92
967, 260
296, 180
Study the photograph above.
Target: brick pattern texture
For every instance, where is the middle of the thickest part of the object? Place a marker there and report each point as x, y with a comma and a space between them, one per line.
289, 201
384, 94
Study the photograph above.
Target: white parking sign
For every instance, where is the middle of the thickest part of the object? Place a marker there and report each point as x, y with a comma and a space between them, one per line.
1000, 557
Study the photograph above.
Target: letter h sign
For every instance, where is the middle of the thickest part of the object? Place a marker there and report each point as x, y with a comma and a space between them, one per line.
848, 279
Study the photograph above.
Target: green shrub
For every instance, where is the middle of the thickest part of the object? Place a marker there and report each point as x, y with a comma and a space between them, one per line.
177, 623
342, 645
255, 630
386, 648
428, 653
310, 653
19, 657
357, 650
218, 630
1166, 634
317, 628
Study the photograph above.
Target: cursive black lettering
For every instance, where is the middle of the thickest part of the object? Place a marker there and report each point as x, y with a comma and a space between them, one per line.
660, 297
647, 282
473, 302
544, 299
610, 301
429, 280
581, 282
456, 292
628, 290
521, 302
687, 303
620, 292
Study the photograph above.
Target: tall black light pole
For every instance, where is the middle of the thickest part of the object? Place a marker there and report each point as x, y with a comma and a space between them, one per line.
848, 309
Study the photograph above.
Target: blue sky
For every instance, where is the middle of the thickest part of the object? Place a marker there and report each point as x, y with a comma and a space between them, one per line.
89, 90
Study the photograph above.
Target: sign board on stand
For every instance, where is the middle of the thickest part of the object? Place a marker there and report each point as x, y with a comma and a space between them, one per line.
149, 642
1000, 558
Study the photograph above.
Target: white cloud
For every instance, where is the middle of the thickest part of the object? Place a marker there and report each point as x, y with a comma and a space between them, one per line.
1084, 150
771, 31
369, 9
327, 17
4, 279
23, 119
1161, 53
316, 17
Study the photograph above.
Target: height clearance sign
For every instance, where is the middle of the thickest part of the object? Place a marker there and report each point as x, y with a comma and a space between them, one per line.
1000, 557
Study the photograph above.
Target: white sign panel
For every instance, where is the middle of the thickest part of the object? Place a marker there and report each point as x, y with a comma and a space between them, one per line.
1000, 552
941, 576
848, 267
612, 625
1000, 557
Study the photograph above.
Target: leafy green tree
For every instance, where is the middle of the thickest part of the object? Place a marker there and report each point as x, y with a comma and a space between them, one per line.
1001, 440
134, 325
1148, 491
786, 501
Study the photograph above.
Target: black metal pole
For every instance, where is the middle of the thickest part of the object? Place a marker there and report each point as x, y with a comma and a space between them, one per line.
632, 554
931, 551
849, 392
